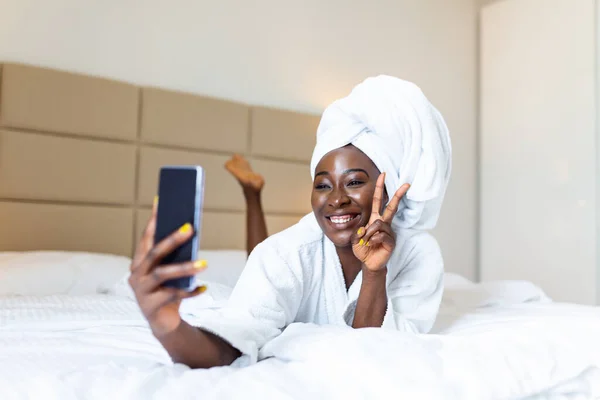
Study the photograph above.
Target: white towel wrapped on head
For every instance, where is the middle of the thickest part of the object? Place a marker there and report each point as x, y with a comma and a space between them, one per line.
393, 123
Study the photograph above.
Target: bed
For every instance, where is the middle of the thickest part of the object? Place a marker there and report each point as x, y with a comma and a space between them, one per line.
79, 159
82, 336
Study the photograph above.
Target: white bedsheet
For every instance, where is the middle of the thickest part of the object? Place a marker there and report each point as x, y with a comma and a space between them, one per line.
98, 347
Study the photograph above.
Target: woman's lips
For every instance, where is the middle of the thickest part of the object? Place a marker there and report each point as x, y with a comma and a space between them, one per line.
343, 221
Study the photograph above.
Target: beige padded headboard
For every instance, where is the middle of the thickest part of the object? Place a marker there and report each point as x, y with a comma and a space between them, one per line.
79, 160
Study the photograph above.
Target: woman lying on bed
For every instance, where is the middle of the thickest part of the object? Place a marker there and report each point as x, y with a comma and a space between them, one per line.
362, 258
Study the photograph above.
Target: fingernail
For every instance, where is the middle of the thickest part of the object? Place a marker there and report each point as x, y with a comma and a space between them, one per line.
201, 289
201, 264
155, 201
361, 242
185, 228
361, 230
367, 244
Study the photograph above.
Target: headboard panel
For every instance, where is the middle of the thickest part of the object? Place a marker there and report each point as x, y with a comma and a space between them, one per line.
45, 167
65, 226
193, 122
282, 134
288, 186
54, 101
79, 160
222, 191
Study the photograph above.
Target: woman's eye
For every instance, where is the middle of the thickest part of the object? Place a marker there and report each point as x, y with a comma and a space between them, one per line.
355, 183
321, 186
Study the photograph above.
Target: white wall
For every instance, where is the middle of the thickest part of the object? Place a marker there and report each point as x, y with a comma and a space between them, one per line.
538, 146
298, 55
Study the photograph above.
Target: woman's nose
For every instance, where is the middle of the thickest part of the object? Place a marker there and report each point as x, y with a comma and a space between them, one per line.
338, 198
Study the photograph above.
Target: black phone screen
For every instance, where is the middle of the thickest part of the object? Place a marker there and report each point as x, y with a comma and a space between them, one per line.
179, 202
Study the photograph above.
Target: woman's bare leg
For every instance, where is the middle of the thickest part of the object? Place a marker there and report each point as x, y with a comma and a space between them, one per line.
252, 184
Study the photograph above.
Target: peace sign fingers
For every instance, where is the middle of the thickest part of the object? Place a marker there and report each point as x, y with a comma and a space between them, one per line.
377, 239
393, 205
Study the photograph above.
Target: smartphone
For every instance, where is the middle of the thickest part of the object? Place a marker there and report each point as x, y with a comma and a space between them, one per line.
180, 200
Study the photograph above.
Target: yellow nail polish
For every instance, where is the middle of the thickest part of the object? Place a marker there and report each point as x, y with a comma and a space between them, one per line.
185, 228
201, 264
367, 244
361, 230
361, 242
155, 201
201, 289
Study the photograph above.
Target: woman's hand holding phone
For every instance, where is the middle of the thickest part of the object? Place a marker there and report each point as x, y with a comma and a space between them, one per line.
160, 305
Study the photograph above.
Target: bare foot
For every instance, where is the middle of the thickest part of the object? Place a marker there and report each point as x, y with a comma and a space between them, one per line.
240, 168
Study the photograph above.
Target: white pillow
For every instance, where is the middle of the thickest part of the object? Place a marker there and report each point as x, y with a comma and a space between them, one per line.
224, 266
453, 280
469, 296
224, 269
39, 273
215, 296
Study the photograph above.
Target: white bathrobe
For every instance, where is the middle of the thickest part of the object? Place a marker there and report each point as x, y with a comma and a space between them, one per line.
296, 276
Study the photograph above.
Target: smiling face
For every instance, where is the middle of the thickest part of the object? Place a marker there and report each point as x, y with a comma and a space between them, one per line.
342, 194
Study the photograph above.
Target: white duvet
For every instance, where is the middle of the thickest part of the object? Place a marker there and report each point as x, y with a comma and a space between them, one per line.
99, 346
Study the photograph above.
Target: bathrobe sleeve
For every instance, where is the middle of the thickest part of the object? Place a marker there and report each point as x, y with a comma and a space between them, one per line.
264, 301
415, 291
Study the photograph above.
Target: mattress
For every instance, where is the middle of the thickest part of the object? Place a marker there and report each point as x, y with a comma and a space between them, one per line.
99, 346
70, 329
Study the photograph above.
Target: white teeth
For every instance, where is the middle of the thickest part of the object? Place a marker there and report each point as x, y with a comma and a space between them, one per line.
341, 220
